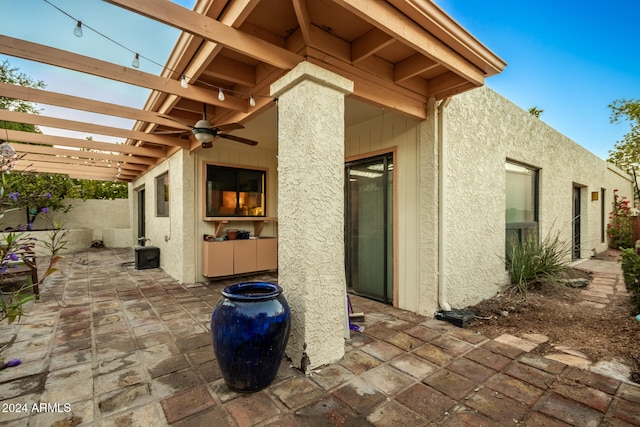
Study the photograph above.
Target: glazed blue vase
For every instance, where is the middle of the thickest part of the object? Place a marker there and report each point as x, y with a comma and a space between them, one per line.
250, 328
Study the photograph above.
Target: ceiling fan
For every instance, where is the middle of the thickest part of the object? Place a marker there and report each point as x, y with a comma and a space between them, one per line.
205, 132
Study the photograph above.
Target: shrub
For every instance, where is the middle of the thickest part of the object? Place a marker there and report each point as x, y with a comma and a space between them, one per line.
12, 246
530, 262
631, 275
620, 227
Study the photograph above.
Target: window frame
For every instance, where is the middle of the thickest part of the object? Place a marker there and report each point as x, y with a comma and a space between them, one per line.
162, 197
521, 227
237, 168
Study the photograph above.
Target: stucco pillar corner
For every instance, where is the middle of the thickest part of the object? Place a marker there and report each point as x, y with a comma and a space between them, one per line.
311, 211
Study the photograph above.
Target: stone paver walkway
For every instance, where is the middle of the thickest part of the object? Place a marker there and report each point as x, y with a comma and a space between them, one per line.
132, 347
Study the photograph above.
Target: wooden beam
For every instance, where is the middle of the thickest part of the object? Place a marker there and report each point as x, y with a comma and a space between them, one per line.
136, 169
187, 20
127, 168
330, 44
89, 172
376, 90
448, 90
38, 138
84, 104
390, 20
81, 155
234, 15
36, 119
369, 43
431, 17
231, 70
412, 66
237, 11
84, 64
304, 21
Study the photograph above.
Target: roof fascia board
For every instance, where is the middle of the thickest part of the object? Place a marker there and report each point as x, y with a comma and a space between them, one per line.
440, 24
392, 21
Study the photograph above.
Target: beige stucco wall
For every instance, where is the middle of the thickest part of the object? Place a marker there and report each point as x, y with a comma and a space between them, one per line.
175, 235
482, 131
234, 154
311, 271
110, 217
83, 214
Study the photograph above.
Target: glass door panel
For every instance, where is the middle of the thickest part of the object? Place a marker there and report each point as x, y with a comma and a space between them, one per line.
369, 227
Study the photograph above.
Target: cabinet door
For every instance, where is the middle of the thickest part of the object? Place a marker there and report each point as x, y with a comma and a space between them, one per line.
267, 254
244, 256
217, 259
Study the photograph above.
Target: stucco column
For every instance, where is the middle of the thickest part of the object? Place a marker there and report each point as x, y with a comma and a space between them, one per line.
311, 211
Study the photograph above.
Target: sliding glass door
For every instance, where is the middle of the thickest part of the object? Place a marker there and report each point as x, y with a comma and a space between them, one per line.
369, 227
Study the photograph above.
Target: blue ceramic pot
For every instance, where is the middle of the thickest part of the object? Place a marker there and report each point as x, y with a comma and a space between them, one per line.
250, 328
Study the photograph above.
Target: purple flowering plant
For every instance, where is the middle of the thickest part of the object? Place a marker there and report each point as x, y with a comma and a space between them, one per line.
17, 248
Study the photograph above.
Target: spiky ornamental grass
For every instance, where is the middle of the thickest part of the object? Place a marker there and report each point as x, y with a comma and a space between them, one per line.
530, 262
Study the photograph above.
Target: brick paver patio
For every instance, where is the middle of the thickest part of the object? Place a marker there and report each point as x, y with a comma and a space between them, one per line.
117, 346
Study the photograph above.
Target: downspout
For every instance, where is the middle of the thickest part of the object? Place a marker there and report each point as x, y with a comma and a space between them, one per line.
442, 224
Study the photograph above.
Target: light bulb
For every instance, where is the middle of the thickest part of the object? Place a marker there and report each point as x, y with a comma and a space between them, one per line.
220, 94
136, 61
77, 31
252, 102
183, 82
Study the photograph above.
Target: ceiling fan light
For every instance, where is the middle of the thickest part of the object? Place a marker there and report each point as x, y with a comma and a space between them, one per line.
203, 136
203, 131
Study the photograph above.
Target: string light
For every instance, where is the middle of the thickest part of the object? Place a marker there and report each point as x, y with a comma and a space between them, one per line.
136, 61
8, 156
77, 31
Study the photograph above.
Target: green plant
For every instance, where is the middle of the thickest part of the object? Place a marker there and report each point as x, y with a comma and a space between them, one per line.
530, 262
620, 227
11, 249
631, 274
13, 246
54, 244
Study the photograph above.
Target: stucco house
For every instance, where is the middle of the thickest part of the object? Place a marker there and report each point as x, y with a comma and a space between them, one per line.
383, 166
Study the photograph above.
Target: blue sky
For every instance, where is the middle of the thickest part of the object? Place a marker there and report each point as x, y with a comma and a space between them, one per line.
569, 58
39, 22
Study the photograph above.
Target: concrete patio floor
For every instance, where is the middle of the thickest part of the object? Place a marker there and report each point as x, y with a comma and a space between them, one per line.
118, 346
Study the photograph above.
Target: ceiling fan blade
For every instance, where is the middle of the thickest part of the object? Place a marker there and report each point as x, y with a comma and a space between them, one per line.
228, 126
238, 139
168, 132
182, 124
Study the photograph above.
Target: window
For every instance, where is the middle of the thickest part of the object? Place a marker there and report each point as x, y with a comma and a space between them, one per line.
162, 194
521, 202
234, 191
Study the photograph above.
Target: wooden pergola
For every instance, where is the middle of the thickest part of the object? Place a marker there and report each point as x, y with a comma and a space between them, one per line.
398, 53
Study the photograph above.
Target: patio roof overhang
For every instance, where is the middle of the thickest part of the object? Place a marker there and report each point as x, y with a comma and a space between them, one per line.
398, 53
